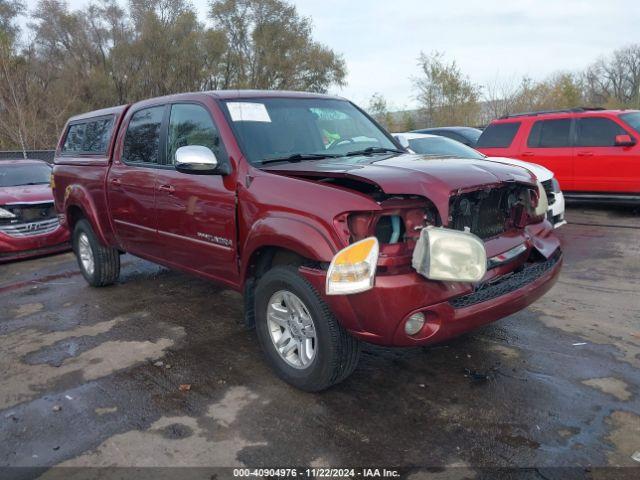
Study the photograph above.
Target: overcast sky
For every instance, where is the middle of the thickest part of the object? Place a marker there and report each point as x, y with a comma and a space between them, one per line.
381, 39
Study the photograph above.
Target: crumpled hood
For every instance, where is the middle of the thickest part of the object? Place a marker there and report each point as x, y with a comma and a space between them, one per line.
411, 174
26, 194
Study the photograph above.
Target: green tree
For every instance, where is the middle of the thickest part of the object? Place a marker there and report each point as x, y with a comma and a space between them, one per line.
270, 46
408, 121
446, 95
379, 110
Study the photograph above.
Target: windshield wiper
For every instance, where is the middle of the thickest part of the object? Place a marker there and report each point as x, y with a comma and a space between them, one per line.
296, 157
372, 150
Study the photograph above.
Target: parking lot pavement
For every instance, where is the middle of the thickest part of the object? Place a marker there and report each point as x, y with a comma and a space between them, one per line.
93, 376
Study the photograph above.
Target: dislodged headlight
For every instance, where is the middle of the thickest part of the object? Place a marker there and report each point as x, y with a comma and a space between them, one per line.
543, 202
445, 254
353, 268
6, 214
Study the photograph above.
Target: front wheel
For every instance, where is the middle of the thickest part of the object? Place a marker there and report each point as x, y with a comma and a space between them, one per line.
299, 335
100, 265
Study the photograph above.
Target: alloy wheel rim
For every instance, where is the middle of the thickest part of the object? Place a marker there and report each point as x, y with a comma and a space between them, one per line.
86, 254
291, 329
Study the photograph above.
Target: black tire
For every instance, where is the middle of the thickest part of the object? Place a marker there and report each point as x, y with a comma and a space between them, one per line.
106, 259
337, 352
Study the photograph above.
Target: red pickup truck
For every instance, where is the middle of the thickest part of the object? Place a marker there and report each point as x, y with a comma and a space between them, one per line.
333, 232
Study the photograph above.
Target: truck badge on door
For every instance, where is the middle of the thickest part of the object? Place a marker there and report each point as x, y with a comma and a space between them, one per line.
225, 242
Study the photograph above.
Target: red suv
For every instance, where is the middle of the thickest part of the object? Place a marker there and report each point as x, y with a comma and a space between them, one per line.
594, 153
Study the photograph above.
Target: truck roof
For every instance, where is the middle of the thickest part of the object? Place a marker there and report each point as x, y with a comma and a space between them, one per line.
220, 94
233, 94
99, 113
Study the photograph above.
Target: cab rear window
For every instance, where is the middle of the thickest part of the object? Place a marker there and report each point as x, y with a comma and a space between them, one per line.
498, 135
89, 136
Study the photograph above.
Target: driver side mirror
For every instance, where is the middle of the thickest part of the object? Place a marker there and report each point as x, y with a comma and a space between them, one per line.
196, 160
624, 141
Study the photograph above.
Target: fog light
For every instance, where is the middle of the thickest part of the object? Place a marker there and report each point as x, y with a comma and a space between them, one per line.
414, 323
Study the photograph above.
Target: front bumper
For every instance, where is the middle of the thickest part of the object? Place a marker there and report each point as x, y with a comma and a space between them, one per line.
16, 248
451, 308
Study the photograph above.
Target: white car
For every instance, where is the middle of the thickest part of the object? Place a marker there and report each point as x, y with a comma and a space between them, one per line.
437, 145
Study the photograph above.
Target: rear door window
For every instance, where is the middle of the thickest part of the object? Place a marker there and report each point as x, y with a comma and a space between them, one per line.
88, 137
550, 134
598, 132
142, 140
498, 135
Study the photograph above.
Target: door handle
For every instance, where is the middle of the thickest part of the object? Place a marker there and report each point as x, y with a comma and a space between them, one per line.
585, 154
116, 181
167, 188
527, 154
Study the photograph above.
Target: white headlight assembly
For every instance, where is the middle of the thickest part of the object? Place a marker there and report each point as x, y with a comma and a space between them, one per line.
6, 214
446, 254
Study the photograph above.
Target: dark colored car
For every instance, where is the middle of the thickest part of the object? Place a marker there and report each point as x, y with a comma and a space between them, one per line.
467, 135
594, 153
332, 231
29, 223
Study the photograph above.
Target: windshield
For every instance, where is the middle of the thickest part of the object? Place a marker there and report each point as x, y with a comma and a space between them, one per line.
632, 119
271, 128
443, 146
32, 174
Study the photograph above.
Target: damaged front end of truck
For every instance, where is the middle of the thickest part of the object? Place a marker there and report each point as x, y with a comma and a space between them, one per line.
449, 245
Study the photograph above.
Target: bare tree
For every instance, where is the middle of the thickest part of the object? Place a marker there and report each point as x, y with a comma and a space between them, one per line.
105, 55
615, 81
499, 96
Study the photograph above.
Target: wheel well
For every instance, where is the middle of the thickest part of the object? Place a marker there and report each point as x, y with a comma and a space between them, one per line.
74, 214
266, 258
260, 262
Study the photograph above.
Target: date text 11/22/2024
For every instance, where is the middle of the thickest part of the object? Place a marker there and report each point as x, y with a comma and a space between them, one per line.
317, 472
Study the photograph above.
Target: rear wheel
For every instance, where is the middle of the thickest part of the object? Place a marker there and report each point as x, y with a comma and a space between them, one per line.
299, 335
100, 265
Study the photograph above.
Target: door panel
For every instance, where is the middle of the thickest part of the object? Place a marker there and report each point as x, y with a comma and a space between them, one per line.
600, 166
132, 204
196, 223
131, 182
196, 213
549, 144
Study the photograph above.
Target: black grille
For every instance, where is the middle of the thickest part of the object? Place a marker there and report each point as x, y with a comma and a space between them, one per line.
507, 284
30, 213
548, 188
487, 213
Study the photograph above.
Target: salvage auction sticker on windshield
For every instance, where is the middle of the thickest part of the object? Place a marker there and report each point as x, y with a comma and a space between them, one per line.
248, 112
